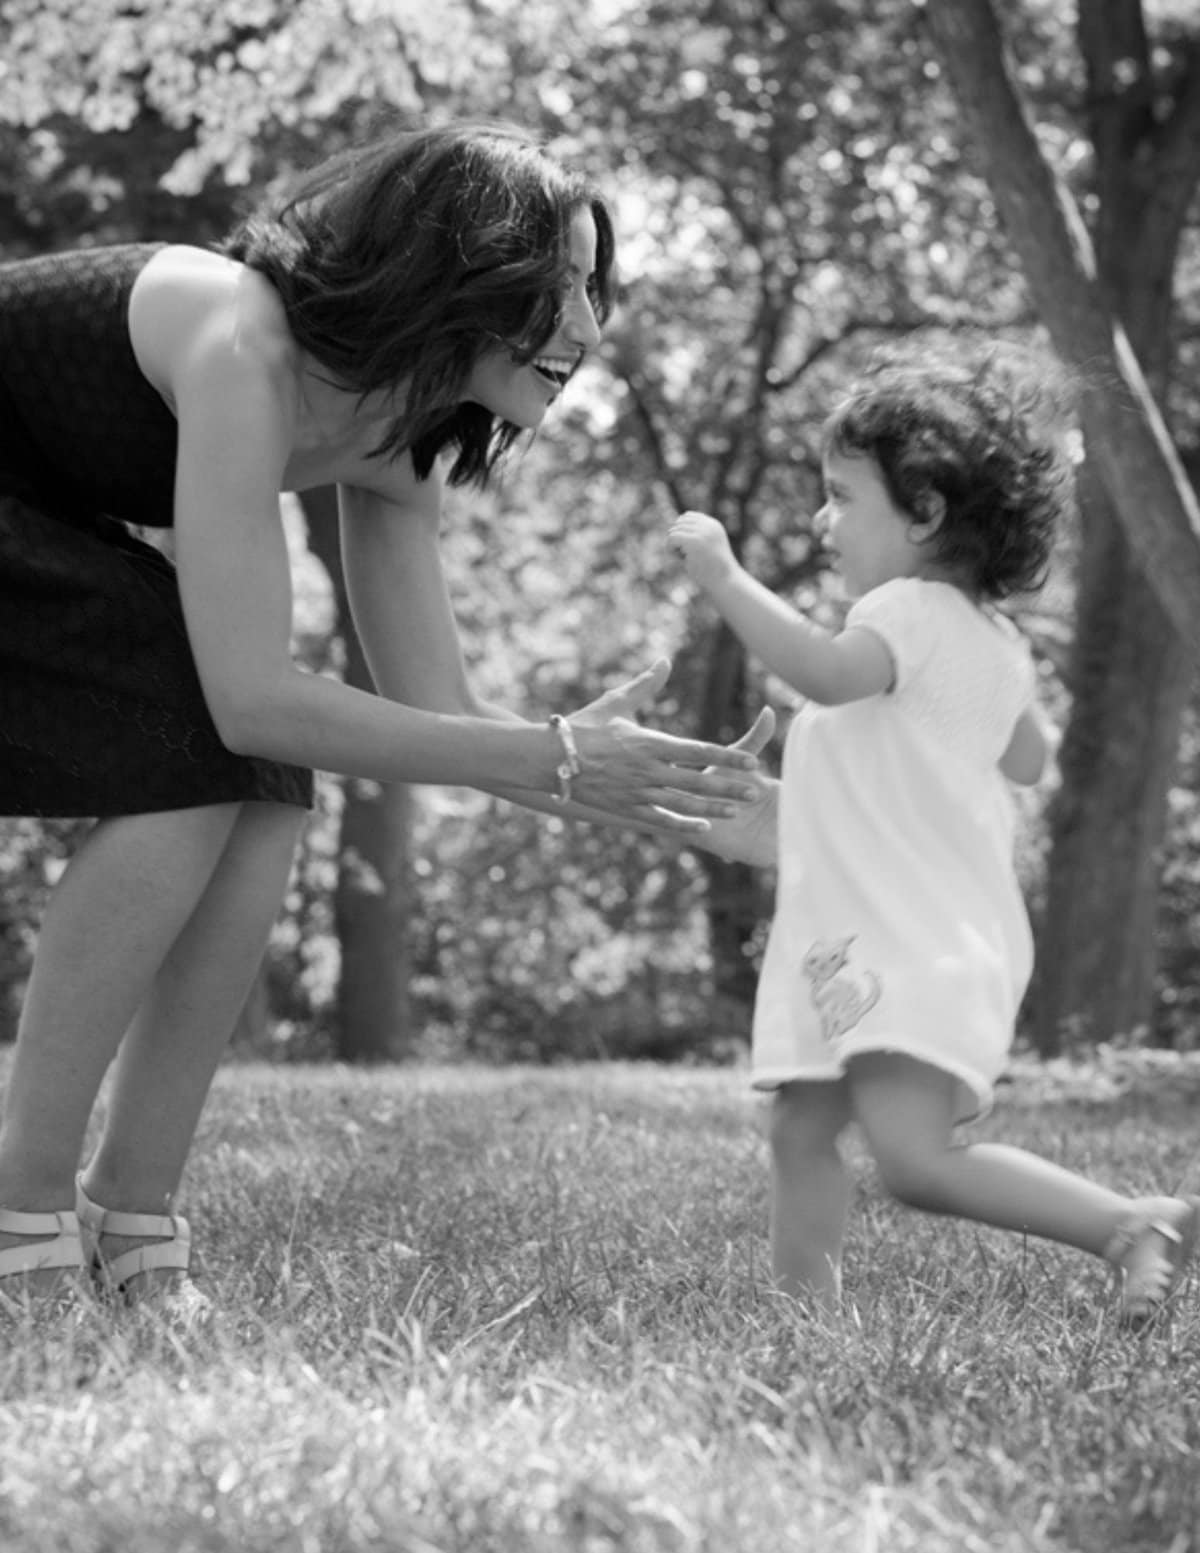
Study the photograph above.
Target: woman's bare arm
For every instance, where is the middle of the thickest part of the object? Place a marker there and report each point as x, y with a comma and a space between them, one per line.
232, 376
234, 574
403, 611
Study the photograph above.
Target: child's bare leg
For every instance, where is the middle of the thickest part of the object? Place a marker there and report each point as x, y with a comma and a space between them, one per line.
905, 1109
810, 1190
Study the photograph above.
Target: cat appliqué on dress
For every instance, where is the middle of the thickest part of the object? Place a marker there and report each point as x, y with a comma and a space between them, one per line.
841, 993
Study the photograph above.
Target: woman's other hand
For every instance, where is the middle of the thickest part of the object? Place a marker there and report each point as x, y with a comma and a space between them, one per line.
674, 784
750, 835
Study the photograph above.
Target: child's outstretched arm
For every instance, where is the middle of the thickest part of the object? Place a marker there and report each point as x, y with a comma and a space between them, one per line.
826, 668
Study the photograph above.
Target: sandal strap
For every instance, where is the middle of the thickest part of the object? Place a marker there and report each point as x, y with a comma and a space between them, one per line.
173, 1255
1151, 1251
14, 1221
54, 1242
110, 1221
169, 1235
114, 1221
1141, 1221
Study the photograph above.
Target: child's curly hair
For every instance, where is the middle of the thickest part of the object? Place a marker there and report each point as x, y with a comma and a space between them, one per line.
983, 431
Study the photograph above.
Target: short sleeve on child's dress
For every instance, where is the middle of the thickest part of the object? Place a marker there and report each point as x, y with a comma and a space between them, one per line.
961, 673
897, 612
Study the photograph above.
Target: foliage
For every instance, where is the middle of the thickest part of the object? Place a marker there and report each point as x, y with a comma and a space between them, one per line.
524, 1311
761, 236
791, 189
536, 937
240, 76
32, 856
124, 119
1178, 1001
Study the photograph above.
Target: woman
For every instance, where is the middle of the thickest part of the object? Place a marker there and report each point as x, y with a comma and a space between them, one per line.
398, 323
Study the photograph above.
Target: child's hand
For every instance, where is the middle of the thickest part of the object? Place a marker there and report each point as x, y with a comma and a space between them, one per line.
705, 547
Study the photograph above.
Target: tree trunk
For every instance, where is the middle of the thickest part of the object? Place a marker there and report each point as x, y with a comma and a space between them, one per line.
735, 906
1137, 461
1137, 617
374, 899
1130, 681
373, 909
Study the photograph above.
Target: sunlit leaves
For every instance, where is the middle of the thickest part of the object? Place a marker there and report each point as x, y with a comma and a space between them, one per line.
235, 73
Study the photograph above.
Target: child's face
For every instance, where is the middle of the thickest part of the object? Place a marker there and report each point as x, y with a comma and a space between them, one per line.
872, 538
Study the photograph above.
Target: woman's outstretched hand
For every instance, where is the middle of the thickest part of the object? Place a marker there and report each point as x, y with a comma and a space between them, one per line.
750, 836
657, 779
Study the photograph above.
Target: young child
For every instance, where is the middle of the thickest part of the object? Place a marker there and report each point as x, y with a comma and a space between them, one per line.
900, 948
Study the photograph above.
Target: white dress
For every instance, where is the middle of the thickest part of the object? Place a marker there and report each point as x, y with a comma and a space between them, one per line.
899, 923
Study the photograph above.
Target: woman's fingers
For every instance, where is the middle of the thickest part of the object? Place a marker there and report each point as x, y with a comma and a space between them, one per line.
692, 755
716, 787
679, 800
759, 734
705, 768
701, 805
674, 783
631, 697
644, 687
670, 820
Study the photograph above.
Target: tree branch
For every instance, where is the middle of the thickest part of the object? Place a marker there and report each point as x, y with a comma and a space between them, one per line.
1126, 435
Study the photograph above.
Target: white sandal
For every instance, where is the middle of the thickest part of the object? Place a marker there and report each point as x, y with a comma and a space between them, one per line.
54, 1243
167, 1249
1151, 1251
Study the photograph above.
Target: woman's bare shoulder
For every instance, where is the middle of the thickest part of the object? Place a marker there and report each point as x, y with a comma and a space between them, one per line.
192, 302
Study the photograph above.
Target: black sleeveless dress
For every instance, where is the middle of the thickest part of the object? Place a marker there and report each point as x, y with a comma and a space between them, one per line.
101, 710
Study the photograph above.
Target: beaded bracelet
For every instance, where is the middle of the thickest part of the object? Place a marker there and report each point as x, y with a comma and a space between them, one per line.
570, 765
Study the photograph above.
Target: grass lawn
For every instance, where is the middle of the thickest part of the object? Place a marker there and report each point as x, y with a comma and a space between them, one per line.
529, 1311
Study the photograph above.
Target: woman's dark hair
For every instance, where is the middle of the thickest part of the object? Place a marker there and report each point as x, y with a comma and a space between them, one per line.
983, 430
403, 260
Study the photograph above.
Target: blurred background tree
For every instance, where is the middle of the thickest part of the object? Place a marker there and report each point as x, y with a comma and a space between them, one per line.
1109, 303
795, 184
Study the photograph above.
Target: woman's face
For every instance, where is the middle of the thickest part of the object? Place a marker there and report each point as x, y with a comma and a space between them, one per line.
522, 392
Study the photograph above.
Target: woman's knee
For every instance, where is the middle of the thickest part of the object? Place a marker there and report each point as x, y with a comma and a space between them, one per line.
270, 824
181, 836
264, 840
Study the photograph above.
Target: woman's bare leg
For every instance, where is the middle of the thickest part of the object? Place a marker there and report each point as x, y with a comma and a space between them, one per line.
123, 900
166, 1063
